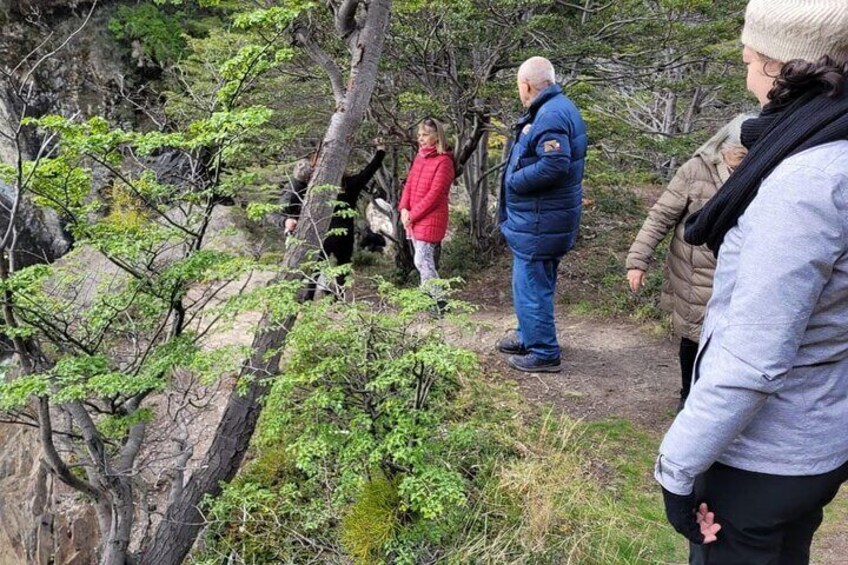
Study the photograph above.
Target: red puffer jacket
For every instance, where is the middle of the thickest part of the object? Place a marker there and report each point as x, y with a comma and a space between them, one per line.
426, 194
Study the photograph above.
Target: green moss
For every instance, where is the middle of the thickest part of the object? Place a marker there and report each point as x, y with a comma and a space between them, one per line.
372, 522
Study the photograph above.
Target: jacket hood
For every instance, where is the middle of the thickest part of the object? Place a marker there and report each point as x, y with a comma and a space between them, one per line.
731, 133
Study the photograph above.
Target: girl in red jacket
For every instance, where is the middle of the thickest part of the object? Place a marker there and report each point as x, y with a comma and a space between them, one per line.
424, 204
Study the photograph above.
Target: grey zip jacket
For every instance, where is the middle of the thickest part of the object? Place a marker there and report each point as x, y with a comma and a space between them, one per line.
771, 394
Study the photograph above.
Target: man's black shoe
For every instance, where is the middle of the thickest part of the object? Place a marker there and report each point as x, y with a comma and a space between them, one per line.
511, 344
531, 364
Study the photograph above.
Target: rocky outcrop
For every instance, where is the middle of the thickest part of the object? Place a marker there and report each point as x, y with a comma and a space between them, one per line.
12, 9
40, 234
43, 523
80, 79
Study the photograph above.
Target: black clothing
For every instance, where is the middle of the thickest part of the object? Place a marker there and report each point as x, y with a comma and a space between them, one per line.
765, 519
340, 246
352, 187
680, 512
688, 352
780, 132
371, 241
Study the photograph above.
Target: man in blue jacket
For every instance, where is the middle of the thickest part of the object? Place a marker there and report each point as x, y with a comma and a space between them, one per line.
540, 206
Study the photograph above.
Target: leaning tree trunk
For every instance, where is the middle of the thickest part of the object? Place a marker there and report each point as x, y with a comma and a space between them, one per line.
176, 533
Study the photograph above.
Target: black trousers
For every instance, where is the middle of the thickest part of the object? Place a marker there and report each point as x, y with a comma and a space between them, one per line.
688, 352
765, 519
339, 247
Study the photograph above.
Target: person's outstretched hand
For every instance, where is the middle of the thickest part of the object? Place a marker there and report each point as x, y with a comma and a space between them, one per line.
379, 144
636, 278
698, 527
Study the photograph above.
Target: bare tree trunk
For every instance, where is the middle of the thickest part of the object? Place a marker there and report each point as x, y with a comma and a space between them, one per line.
698, 95
476, 179
404, 254
117, 539
176, 533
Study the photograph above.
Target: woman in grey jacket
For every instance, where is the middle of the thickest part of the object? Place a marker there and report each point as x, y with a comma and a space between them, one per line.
762, 443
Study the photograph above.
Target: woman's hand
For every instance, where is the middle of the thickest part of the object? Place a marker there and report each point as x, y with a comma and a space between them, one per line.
636, 278
698, 525
404, 218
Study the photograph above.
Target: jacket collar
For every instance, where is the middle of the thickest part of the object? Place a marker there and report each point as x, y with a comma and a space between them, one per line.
550, 92
428, 151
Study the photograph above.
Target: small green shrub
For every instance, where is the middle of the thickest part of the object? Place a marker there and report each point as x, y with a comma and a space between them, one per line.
362, 404
364, 458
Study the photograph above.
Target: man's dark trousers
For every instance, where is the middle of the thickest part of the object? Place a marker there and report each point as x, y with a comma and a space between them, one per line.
533, 286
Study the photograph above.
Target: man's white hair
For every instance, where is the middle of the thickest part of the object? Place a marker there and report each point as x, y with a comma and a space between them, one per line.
537, 71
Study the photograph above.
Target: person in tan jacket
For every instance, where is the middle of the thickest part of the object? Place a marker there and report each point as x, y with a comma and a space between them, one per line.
688, 274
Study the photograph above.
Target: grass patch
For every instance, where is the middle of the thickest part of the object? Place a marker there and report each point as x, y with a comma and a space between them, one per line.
561, 509
829, 541
625, 458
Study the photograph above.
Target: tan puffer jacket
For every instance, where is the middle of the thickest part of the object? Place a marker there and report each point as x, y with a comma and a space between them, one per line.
688, 275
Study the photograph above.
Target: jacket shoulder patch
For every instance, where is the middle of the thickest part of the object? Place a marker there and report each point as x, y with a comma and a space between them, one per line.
552, 146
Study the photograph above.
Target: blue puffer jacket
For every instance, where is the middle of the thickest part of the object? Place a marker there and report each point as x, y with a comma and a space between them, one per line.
541, 193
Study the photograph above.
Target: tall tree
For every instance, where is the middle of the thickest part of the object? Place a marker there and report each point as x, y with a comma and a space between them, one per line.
99, 357
363, 26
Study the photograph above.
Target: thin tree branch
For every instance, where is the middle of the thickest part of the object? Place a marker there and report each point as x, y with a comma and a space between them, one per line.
346, 17
54, 460
323, 60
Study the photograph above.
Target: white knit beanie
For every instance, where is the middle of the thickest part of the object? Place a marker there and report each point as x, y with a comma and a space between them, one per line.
797, 29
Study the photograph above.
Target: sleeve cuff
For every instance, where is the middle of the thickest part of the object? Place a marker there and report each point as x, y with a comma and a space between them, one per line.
672, 478
634, 263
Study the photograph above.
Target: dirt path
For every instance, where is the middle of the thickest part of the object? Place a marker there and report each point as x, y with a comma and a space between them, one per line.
611, 369
616, 369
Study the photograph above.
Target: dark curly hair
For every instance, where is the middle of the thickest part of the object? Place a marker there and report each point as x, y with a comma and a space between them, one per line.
826, 76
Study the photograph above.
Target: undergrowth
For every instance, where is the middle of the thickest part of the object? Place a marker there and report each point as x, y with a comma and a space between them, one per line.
381, 443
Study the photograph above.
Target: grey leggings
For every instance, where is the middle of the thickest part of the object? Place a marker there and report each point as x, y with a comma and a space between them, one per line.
425, 260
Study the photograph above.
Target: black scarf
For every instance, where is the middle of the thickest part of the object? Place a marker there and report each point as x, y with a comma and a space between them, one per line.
778, 133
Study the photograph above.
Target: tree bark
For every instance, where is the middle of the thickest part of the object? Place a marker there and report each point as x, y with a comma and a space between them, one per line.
475, 177
116, 541
176, 533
